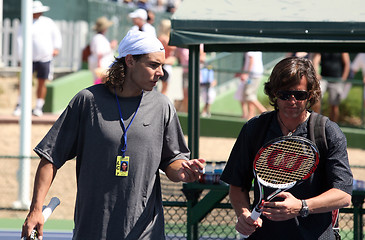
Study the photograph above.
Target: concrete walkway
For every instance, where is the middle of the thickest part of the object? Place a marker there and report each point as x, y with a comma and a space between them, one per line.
47, 118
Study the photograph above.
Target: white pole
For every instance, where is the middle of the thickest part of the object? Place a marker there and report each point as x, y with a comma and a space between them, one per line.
23, 201
1, 33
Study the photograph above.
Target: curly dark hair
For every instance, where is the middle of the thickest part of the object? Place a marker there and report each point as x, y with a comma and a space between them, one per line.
288, 73
115, 76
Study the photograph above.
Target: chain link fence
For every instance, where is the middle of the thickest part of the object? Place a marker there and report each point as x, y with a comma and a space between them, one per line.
220, 222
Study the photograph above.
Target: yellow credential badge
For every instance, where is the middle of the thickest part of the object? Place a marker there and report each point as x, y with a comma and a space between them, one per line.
122, 166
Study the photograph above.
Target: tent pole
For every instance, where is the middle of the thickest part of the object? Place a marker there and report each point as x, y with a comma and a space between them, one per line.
193, 103
193, 116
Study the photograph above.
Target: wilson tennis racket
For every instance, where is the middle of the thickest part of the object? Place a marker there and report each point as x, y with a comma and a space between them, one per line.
282, 164
47, 211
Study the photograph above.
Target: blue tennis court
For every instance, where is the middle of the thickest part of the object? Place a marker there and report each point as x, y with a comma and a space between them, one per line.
15, 235
54, 235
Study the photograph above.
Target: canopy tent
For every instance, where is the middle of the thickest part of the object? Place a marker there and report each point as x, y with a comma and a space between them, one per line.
270, 25
263, 25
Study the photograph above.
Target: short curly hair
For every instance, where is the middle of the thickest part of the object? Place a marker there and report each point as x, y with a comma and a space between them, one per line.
288, 73
116, 73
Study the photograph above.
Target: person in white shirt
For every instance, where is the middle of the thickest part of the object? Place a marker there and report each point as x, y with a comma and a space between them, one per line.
47, 42
251, 77
102, 51
139, 18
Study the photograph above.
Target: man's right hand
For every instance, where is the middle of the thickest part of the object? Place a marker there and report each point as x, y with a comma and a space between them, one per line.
246, 225
34, 219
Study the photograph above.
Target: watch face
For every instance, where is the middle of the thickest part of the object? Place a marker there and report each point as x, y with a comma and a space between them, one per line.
304, 212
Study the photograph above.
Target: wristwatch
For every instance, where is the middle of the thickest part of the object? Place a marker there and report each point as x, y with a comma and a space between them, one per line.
304, 212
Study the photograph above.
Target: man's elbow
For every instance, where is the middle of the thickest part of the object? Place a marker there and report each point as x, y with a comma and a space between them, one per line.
346, 200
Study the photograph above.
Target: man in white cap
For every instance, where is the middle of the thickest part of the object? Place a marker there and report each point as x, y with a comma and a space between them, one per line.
112, 203
139, 18
47, 42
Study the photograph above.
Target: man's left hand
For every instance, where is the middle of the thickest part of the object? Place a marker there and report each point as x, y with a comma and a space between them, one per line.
283, 210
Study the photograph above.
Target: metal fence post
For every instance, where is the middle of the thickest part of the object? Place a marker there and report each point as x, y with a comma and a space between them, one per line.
357, 201
192, 196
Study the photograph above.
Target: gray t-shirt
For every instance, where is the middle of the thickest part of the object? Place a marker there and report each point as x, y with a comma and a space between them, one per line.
110, 206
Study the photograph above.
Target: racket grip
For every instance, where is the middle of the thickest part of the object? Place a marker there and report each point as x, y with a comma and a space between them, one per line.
254, 215
47, 211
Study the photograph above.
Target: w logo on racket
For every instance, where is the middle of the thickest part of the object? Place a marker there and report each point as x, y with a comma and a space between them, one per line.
285, 161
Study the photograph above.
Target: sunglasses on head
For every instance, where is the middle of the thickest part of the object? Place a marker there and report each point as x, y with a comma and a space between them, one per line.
298, 95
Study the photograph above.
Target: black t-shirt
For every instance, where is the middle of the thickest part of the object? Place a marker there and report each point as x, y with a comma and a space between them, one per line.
331, 65
333, 172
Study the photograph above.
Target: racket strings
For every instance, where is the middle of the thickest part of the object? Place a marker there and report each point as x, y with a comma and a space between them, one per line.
285, 162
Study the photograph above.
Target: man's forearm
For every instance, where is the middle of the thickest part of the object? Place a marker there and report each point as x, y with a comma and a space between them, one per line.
239, 199
44, 177
172, 170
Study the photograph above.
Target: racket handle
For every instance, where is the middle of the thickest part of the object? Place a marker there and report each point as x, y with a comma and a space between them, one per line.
254, 215
47, 211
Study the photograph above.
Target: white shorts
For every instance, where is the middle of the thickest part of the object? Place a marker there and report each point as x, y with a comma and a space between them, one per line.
247, 91
208, 94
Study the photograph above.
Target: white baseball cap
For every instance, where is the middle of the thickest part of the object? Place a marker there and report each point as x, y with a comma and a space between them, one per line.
139, 13
138, 42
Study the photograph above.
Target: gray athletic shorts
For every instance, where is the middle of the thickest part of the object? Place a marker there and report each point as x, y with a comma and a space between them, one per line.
335, 91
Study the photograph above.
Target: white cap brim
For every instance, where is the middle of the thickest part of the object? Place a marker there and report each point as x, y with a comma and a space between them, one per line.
41, 9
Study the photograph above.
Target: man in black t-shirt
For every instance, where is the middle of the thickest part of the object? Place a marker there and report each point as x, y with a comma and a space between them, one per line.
335, 68
303, 212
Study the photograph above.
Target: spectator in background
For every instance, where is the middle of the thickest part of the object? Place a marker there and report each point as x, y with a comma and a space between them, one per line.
298, 54
129, 3
143, 4
47, 42
253, 70
207, 91
101, 50
158, 5
357, 65
335, 68
150, 17
182, 55
139, 18
171, 8
170, 59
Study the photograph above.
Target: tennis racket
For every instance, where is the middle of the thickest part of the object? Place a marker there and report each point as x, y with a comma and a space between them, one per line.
47, 211
281, 164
